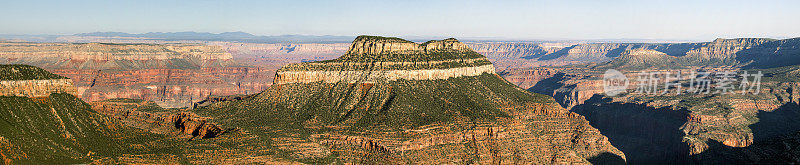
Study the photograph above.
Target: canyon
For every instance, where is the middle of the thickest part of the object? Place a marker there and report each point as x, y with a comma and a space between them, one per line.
352, 102
694, 128
178, 74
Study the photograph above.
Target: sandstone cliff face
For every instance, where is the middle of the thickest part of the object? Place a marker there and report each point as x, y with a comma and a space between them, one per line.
373, 59
170, 88
97, 56
286, 77
368, 45
36, 88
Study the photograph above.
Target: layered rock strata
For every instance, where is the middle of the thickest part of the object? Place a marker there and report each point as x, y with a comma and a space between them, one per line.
373, 59
36, 88
109, 52
285, 77
172, 75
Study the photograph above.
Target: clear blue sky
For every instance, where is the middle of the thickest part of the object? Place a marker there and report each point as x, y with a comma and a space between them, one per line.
545, 19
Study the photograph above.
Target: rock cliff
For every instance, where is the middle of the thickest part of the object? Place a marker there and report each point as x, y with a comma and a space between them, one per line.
149, 116
29, 81
378, 59
36, 88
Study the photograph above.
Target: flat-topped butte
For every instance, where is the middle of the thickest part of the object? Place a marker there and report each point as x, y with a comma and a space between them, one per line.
30, 81
381, 59
390, 53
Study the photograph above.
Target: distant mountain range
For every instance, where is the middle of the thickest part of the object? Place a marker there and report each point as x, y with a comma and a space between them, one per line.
226, 36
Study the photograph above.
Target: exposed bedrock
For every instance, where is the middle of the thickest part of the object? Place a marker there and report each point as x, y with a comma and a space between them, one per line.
36, 88
148, 116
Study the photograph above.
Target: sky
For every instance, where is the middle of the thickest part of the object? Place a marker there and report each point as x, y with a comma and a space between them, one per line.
533, 19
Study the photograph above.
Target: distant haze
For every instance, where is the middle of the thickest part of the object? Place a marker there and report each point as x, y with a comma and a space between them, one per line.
546, 19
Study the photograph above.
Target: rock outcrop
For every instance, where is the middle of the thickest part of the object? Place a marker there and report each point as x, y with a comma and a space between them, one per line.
149, 116
378, 59
285, 77
29, 81
36, 88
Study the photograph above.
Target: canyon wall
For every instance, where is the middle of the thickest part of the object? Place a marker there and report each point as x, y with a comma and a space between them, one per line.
36, 88
516, 50
169, 87
172, 75
107, 51
377, 59
526, 78
285, 77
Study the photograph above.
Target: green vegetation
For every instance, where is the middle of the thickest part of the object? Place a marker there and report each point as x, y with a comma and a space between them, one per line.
397, 105
62, 129
25, 72
779, 74
371, 38
300, 110
410, 57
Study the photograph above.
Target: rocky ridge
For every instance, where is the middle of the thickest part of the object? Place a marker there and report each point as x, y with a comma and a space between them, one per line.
36, 88
29, 81
108, 52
